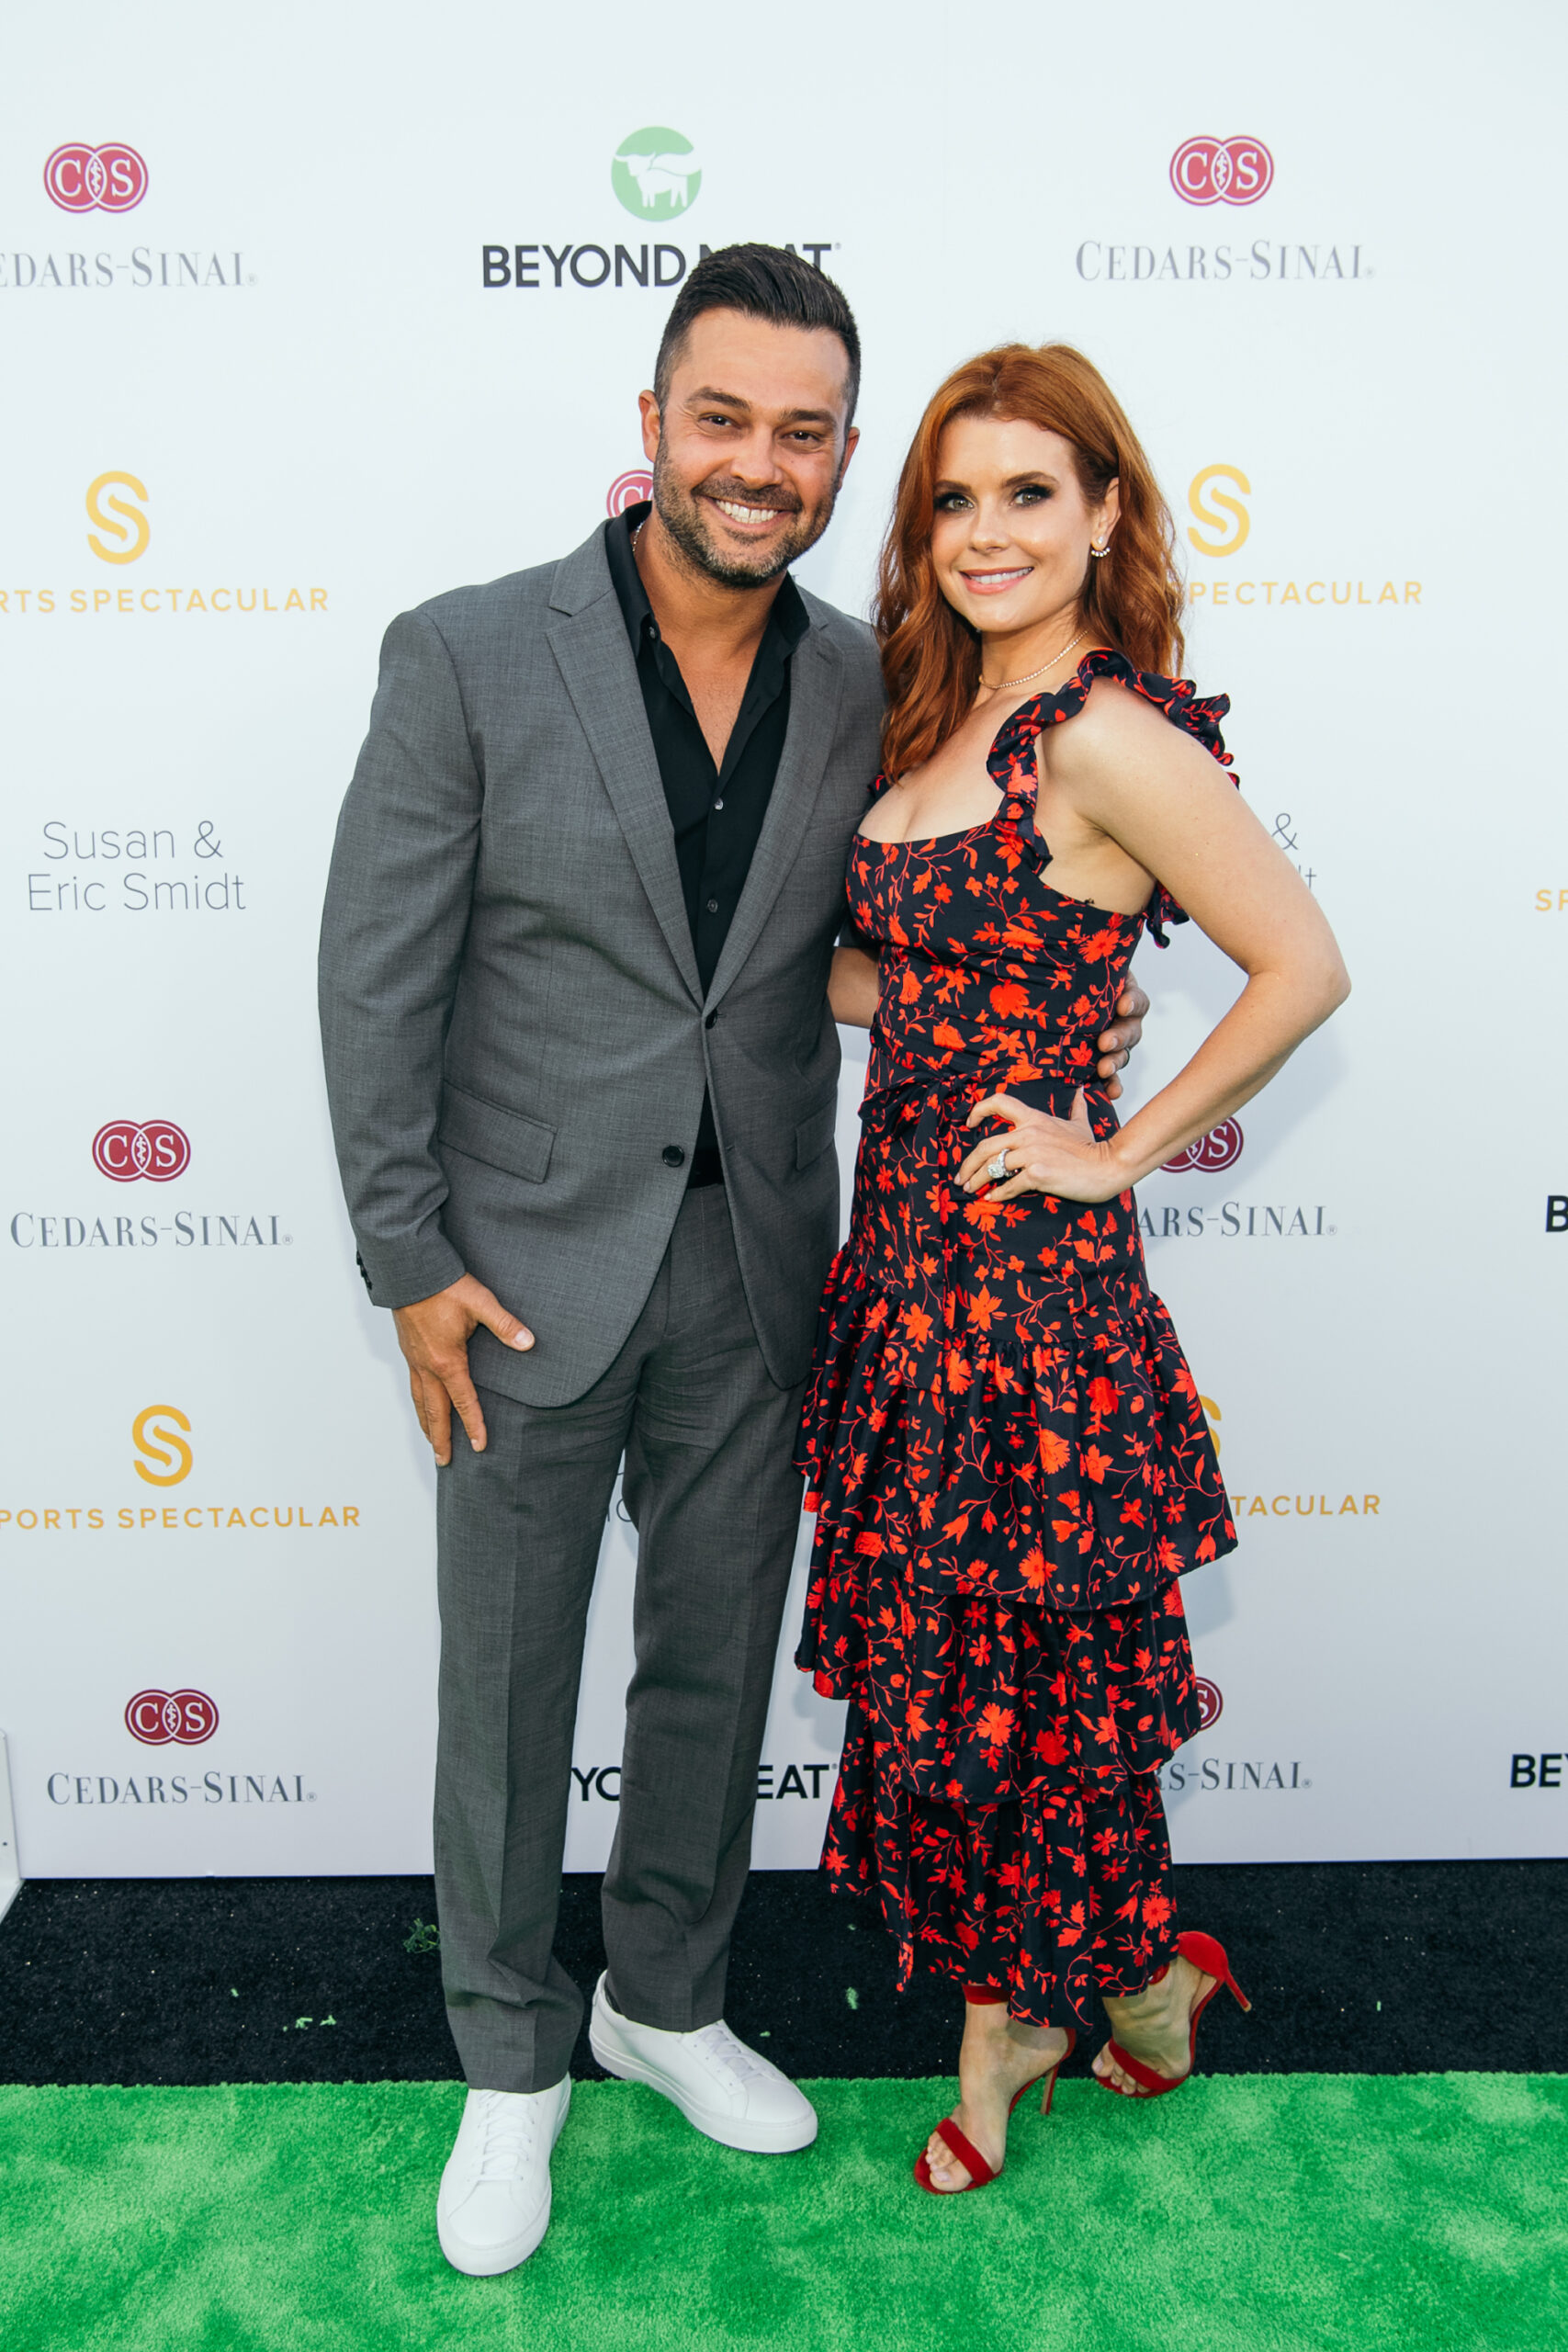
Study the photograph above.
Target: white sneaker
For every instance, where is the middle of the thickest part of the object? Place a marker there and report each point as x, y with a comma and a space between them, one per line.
494, 2204
722, 2088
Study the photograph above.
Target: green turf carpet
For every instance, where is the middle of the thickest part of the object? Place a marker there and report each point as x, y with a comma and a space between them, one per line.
1252, 2213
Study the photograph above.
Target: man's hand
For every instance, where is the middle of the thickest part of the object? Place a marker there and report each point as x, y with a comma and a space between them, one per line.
433, 1334
1116, 1045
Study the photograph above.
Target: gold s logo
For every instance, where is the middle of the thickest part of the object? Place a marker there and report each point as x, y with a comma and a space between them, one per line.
1214, 1414
1219, 511
134, 528
161, 1445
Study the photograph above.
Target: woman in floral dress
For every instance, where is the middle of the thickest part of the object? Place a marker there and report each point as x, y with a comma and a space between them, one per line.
1002, 1439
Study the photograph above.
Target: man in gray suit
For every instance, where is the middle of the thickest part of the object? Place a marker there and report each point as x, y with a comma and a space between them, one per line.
587, 884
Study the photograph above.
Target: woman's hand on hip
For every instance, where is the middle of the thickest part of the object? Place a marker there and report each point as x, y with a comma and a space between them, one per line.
1044, 1154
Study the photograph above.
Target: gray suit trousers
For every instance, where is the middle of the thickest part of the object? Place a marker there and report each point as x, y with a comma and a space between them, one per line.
707, 1439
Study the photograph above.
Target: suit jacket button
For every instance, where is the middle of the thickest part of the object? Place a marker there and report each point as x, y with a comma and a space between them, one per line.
673, 1156
709, 1020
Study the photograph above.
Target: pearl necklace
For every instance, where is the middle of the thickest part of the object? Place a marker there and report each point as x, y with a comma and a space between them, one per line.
1003, 683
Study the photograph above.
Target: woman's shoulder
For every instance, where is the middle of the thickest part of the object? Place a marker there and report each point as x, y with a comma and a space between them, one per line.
1117, 705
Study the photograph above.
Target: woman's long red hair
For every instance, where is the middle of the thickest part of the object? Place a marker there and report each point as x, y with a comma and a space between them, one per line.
931, 657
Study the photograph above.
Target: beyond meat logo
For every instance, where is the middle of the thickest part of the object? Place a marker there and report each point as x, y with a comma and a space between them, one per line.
655, 175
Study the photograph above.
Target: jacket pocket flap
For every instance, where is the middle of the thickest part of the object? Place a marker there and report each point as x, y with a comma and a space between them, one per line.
813, 1136
503, 1140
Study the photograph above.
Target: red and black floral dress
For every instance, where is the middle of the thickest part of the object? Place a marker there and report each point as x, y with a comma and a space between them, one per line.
1002, 1440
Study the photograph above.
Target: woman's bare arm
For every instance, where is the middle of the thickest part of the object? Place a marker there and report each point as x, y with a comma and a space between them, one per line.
1162, 798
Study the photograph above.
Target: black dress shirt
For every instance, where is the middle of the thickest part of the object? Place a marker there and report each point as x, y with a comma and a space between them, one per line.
717, 813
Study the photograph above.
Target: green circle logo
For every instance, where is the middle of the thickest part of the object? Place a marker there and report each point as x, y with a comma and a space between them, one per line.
655, 175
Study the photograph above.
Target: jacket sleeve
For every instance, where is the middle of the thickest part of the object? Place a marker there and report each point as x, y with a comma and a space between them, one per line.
398, 902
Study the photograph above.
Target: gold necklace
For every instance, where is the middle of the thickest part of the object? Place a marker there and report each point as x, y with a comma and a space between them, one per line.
1003, 683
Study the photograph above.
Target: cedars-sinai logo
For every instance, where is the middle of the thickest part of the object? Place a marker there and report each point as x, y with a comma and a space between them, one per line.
111, 178
1221, 171
129, 1149
655, 175
1220, 1148
187, 1718
628, 489
1211, 1706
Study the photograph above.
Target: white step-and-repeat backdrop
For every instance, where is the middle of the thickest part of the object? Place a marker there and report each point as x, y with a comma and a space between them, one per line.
311, 313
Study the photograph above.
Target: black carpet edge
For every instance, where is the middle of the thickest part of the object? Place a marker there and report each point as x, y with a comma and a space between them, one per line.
1352, 1968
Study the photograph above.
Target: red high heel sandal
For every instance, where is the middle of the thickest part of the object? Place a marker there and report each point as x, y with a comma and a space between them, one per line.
1209, 1957
964, 2148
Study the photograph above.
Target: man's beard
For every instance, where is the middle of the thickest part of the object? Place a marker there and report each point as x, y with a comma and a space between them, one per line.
681, 514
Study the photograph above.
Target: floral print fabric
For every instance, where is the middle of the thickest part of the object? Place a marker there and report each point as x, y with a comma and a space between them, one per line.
1002, 1439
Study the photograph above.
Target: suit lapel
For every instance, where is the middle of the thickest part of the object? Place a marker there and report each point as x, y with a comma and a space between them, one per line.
814, 685
596, 662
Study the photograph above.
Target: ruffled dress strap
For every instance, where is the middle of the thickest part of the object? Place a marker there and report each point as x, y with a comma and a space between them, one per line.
1011, 766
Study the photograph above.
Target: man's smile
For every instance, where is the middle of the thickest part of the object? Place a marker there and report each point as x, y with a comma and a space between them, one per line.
750, 518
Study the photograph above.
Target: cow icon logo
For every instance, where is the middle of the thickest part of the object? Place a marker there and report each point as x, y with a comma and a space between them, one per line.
126, 1150
1220, 1148
1221, 171
188, 1718
1211, 1705
655, 175
628, 489
112, 178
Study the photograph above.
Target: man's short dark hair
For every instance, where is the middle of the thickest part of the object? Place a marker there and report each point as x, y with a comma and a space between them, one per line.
761, 282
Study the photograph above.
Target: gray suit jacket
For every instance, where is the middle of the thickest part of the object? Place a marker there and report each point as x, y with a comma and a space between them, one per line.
514, 1032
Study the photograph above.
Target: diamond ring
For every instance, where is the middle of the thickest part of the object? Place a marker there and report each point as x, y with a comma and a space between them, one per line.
998, 1168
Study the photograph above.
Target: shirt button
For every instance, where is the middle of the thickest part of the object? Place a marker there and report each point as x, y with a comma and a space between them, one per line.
713, 906
717, 805
673, 1156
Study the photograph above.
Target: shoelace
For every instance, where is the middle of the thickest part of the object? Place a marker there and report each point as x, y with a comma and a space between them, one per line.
726, 2057
509, 2134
